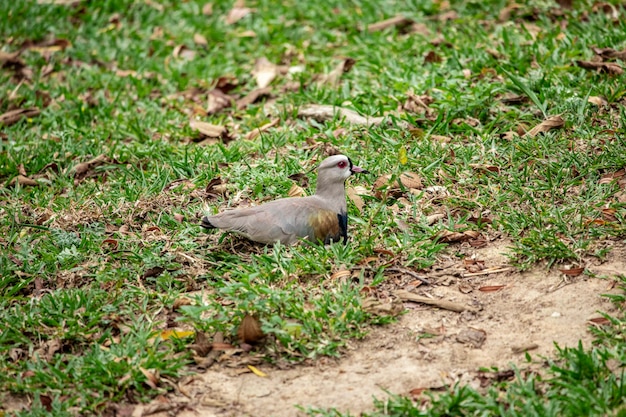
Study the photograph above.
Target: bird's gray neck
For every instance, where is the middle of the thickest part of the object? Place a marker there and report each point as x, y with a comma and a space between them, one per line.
334, 195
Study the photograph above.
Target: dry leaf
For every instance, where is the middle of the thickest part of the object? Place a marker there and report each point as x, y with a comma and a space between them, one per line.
152, 377
333, 77
553, 122
341, 273
207, 9
296, 191
179, 302
209, 130
400, 22
176, 334
217, 101
472, 337
598, 101
256, 132
321, 113
375, 307
410, 180
250, 330
181, 51
86, 169
264, 72
447, 236
610, 53
257, 372
236, 14
201, 345
200, 40
417, 104
216, 187
24, 181
602, 67
432, 57
252, 97
355, 198
572, 272
505, 13
602, 321
491, 288
13, 116
47, 46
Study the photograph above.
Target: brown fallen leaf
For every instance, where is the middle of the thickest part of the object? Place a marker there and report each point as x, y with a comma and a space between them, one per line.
400, 22
24, 181
432, 57
610, 53
447, 236
610, 68
210, 131
207, 9
238, 12
86, 169
572, 272
354, 196
250, 330
217, 101
375, 307
333, 77
13, 116
264, 72
215, 188
152, 377
472, 337
201, 344
296, 191
183, 52
418, 104
506, 12
553, 122
256, 132
323, 112
200, 39
598, 101
11, 60
47, 46
253, 96
600, 321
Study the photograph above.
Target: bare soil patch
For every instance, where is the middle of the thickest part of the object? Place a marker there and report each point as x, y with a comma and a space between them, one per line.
428, 347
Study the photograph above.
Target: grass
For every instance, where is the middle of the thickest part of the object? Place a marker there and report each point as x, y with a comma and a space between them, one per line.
95, 261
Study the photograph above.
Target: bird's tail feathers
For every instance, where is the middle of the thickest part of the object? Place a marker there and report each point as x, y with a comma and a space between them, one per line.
206, 223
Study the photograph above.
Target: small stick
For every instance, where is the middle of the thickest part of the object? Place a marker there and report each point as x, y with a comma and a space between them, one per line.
487, 272
446, 305
409, 272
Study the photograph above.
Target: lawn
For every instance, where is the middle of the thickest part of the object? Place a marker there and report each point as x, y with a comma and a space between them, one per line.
123, 123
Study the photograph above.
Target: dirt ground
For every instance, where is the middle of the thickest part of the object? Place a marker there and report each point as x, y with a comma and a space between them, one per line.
531, 311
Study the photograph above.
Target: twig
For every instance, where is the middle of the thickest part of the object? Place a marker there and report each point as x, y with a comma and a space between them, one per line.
446, 305
409, 272
486, 272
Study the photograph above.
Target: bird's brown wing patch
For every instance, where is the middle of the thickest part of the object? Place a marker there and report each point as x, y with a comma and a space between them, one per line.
325, 225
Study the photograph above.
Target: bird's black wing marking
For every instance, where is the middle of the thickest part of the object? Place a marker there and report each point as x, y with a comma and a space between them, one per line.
343, 225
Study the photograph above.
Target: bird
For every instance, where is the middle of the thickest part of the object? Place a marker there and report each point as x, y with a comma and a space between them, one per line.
321, 217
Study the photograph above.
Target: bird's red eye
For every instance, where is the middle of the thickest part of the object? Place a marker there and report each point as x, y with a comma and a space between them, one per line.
342, 164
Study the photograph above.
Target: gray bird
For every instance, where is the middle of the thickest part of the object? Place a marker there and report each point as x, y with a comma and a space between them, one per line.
321, 217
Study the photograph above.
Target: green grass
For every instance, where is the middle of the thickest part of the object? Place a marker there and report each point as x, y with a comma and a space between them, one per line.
73, 274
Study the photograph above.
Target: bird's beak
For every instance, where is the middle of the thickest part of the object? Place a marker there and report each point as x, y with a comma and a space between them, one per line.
355, 169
